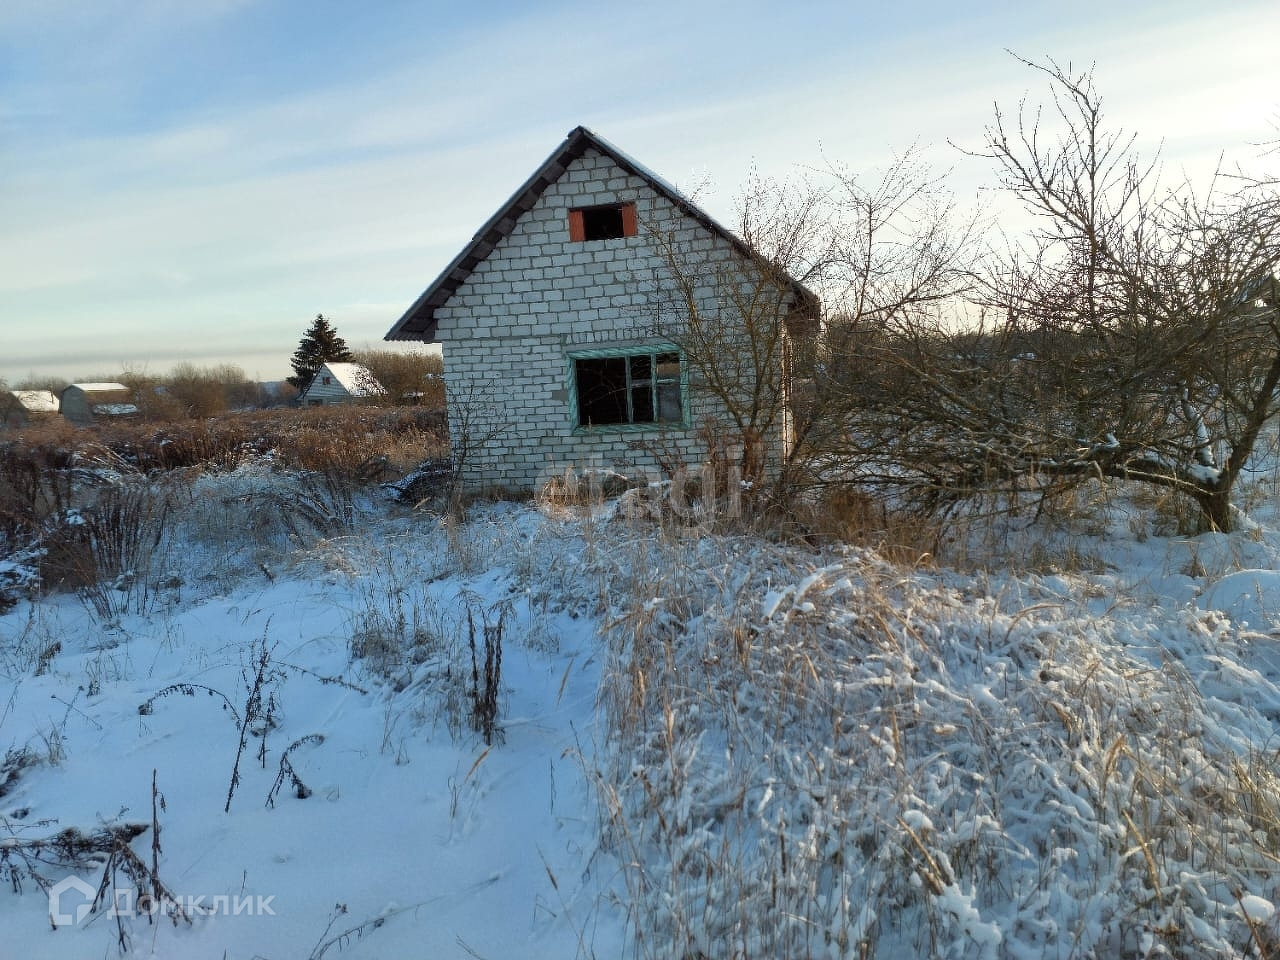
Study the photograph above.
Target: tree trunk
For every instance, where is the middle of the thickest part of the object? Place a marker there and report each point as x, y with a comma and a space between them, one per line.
1215, 509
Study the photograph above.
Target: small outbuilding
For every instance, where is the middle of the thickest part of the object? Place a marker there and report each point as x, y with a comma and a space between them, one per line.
86, 403
341, 383
20, 408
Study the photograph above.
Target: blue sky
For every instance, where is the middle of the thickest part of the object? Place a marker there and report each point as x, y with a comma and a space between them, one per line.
193, 180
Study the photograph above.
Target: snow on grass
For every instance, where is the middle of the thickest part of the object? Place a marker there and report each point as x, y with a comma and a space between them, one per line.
1251, 597
819, 759
707, 746
415, 838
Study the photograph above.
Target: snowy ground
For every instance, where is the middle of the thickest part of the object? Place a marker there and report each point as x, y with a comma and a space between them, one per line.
708, 746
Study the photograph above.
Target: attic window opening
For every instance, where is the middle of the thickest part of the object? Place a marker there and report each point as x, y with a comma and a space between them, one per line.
638, 387
608, 222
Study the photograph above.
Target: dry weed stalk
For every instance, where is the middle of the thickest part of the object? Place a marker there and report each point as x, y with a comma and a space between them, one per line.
259, 709
287, 771
486, 669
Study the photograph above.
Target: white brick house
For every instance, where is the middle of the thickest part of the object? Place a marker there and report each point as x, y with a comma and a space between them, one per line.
560, 322
340, 383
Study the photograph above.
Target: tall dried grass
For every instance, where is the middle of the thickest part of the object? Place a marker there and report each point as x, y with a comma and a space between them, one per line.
93, 504
338, 438
829, 755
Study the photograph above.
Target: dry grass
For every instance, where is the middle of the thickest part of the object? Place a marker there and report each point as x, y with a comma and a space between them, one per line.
852, 516
35, 484
94, 503
1166, 513
807, 747
343, 439
807, 741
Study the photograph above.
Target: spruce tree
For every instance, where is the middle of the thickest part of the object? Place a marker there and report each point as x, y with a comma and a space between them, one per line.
319, 345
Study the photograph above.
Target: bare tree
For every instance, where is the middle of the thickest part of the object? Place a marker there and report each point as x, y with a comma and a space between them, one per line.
51, 383
902, 259
408, 377
1131, 334
879, 256
476, 422
737, 318
200, 392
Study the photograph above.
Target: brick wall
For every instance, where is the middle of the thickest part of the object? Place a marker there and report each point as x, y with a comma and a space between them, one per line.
508, 330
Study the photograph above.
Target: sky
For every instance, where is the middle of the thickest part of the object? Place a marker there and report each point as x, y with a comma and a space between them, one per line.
192, 181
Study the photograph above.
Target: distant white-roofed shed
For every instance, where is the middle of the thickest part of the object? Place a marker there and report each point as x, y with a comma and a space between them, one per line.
86, 403
18, 408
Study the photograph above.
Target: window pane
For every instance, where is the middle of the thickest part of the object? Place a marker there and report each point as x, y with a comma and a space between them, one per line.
641, 368
669, 402
668, 366
602, 390
629, 388
641, 403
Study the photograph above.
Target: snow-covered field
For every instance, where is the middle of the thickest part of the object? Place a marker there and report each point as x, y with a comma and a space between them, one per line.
705, 746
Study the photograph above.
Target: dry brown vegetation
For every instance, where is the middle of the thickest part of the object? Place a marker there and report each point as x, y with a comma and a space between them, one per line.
92, 503
341, 439
412, 377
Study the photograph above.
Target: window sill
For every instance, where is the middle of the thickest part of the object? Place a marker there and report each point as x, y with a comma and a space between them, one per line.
632, 428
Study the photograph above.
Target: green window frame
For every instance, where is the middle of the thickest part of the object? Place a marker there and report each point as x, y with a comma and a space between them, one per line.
628, 389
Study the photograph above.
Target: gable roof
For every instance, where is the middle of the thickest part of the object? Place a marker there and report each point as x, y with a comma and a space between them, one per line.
419, 321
